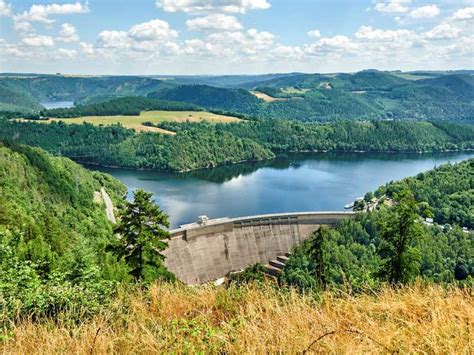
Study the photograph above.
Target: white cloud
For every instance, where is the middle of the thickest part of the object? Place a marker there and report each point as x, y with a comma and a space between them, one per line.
154, 36
68, 33
288, 52
5, 9
334, 44
443, 31
464, 14
22, 26
427, 11
67, 53
41, 13
392, 6
214, 22
314, 34
250, 42
154, 30
87, 48
212, 6
235, 46
38, 41
370, 34
113, 39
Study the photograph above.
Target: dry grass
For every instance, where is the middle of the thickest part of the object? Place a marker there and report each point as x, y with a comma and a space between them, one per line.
180, 319
267, 98
135, 122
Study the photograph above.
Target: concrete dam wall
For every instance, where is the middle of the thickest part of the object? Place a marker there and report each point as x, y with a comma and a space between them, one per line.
201, 252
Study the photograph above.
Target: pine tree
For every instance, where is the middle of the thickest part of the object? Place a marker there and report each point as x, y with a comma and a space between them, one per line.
142, 237
317, 253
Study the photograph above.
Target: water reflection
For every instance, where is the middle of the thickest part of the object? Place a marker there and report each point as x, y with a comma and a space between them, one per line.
299, 182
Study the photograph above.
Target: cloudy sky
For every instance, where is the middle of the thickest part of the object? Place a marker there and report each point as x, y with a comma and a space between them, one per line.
234, 36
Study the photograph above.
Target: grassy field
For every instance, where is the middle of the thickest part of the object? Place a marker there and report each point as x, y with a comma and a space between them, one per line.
267, 98
258, 320
135, 122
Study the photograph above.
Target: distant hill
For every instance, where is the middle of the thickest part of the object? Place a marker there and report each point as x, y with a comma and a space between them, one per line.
368, 94
239, 100
64, 88
128, 105
319, 97
16, 99
461, 84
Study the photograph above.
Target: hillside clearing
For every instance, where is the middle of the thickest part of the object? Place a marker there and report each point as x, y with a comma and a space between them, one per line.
267, 98
261, 319
136, 122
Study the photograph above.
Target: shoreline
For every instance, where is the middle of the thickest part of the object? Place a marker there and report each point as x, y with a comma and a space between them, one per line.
277, 155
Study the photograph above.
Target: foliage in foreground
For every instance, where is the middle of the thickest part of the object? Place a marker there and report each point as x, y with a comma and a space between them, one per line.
260, 319
366, 252
55, 238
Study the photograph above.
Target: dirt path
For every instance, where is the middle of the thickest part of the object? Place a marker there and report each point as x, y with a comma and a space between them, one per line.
109, 207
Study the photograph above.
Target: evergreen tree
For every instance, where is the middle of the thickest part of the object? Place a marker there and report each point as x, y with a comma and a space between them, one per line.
317, 253
400, 231
142, 237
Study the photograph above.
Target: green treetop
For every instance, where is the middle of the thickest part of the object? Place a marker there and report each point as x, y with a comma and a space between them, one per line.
142, 237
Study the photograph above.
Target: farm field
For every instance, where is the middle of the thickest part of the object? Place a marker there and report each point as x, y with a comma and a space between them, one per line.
136, 122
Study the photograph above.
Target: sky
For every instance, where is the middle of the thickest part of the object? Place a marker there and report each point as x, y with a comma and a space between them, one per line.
172, 37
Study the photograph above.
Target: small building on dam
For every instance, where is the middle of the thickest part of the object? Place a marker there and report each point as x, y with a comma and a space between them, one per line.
210, 249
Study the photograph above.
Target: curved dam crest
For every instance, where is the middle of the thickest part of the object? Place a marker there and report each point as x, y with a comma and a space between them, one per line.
202, 252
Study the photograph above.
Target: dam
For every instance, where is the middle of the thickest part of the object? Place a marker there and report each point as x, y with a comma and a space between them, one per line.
210, 249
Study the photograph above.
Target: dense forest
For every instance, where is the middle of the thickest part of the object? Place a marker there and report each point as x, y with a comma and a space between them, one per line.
201, 145
353, 260
131, 105
367, 94
53, 234
317, 97
445, 193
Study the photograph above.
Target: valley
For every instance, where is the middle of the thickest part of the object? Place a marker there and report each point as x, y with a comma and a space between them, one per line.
236, 177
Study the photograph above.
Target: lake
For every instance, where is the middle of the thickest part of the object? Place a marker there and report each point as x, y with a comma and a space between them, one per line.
295, 183
56, 104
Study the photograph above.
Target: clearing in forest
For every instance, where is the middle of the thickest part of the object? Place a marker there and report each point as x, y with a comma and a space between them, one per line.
136, 122
267, 98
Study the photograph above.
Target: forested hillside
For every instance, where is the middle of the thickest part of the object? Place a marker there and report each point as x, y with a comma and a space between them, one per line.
238, 100
52, 233
117, 146
201, 145
368, 94
16, 100
75, 88
318, 97
130, 105
447, 193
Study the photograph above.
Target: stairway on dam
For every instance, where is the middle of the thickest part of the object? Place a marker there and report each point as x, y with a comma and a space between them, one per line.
275, 267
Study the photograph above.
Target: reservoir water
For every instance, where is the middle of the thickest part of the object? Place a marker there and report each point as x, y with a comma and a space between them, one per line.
295, 183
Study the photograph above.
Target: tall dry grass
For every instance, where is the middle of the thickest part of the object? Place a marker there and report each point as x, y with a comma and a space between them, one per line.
261, 319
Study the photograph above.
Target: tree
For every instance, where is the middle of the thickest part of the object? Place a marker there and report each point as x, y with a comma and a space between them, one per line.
400, 231
317, 253
142, 237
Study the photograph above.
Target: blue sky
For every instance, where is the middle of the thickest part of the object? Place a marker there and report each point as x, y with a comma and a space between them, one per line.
234, 36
